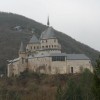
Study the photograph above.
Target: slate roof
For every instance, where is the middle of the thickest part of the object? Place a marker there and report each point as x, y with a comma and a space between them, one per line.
21, 48
48, 33
34, 39
71, 56
68, 56
14, 60
77, 57
42, 55
58, 54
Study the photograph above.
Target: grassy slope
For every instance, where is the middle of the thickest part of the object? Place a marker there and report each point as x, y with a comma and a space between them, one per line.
10, 39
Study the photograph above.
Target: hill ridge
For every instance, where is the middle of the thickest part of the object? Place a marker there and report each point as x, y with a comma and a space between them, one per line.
10, 38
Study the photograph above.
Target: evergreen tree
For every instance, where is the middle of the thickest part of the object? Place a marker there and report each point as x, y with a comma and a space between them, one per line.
69, 93
59, 93
96, 81
78, 93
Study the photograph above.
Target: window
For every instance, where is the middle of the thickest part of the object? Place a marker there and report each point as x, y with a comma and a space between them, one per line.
42, 46
47, 46
58, 58
72, 70
52, 46
46, 41
55, 40
34, 47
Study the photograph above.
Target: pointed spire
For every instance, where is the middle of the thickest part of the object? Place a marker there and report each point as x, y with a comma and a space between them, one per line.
48, 23
21, 47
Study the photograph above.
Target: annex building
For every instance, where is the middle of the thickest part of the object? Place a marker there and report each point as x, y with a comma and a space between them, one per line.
44, 55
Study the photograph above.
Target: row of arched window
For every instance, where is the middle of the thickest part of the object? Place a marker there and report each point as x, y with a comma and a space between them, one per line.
45, 41
47, 46
50, 46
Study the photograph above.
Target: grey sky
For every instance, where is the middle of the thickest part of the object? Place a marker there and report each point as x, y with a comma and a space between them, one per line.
79, 19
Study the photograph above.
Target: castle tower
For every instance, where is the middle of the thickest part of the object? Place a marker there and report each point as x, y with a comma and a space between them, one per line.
22, 52
49, 42
33, 45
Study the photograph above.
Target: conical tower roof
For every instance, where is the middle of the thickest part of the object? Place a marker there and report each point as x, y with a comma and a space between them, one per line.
48, 33
21, 48
34, 39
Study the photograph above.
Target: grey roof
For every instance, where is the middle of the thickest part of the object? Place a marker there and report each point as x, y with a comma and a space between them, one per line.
21, 48
34, 39
48, 49
14, 60
77, 57
68, 56
58, 54
72, 56
42, 55
48, 33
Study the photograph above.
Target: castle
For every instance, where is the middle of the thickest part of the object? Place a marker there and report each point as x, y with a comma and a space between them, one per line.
44, 56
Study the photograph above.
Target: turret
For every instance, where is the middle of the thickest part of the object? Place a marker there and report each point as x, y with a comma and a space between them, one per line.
33, 44
22, 52
49, 42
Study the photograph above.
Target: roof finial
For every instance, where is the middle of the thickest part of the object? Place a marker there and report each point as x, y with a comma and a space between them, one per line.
48, 23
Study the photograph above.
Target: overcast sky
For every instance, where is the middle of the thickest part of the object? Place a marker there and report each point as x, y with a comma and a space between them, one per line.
79, 19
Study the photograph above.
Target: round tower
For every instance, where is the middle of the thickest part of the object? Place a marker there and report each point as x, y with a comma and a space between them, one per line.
49, 42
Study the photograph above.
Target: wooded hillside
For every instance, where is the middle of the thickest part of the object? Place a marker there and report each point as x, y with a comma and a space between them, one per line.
10, 38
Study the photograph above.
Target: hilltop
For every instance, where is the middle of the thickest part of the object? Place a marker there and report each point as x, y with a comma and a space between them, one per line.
10, 38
